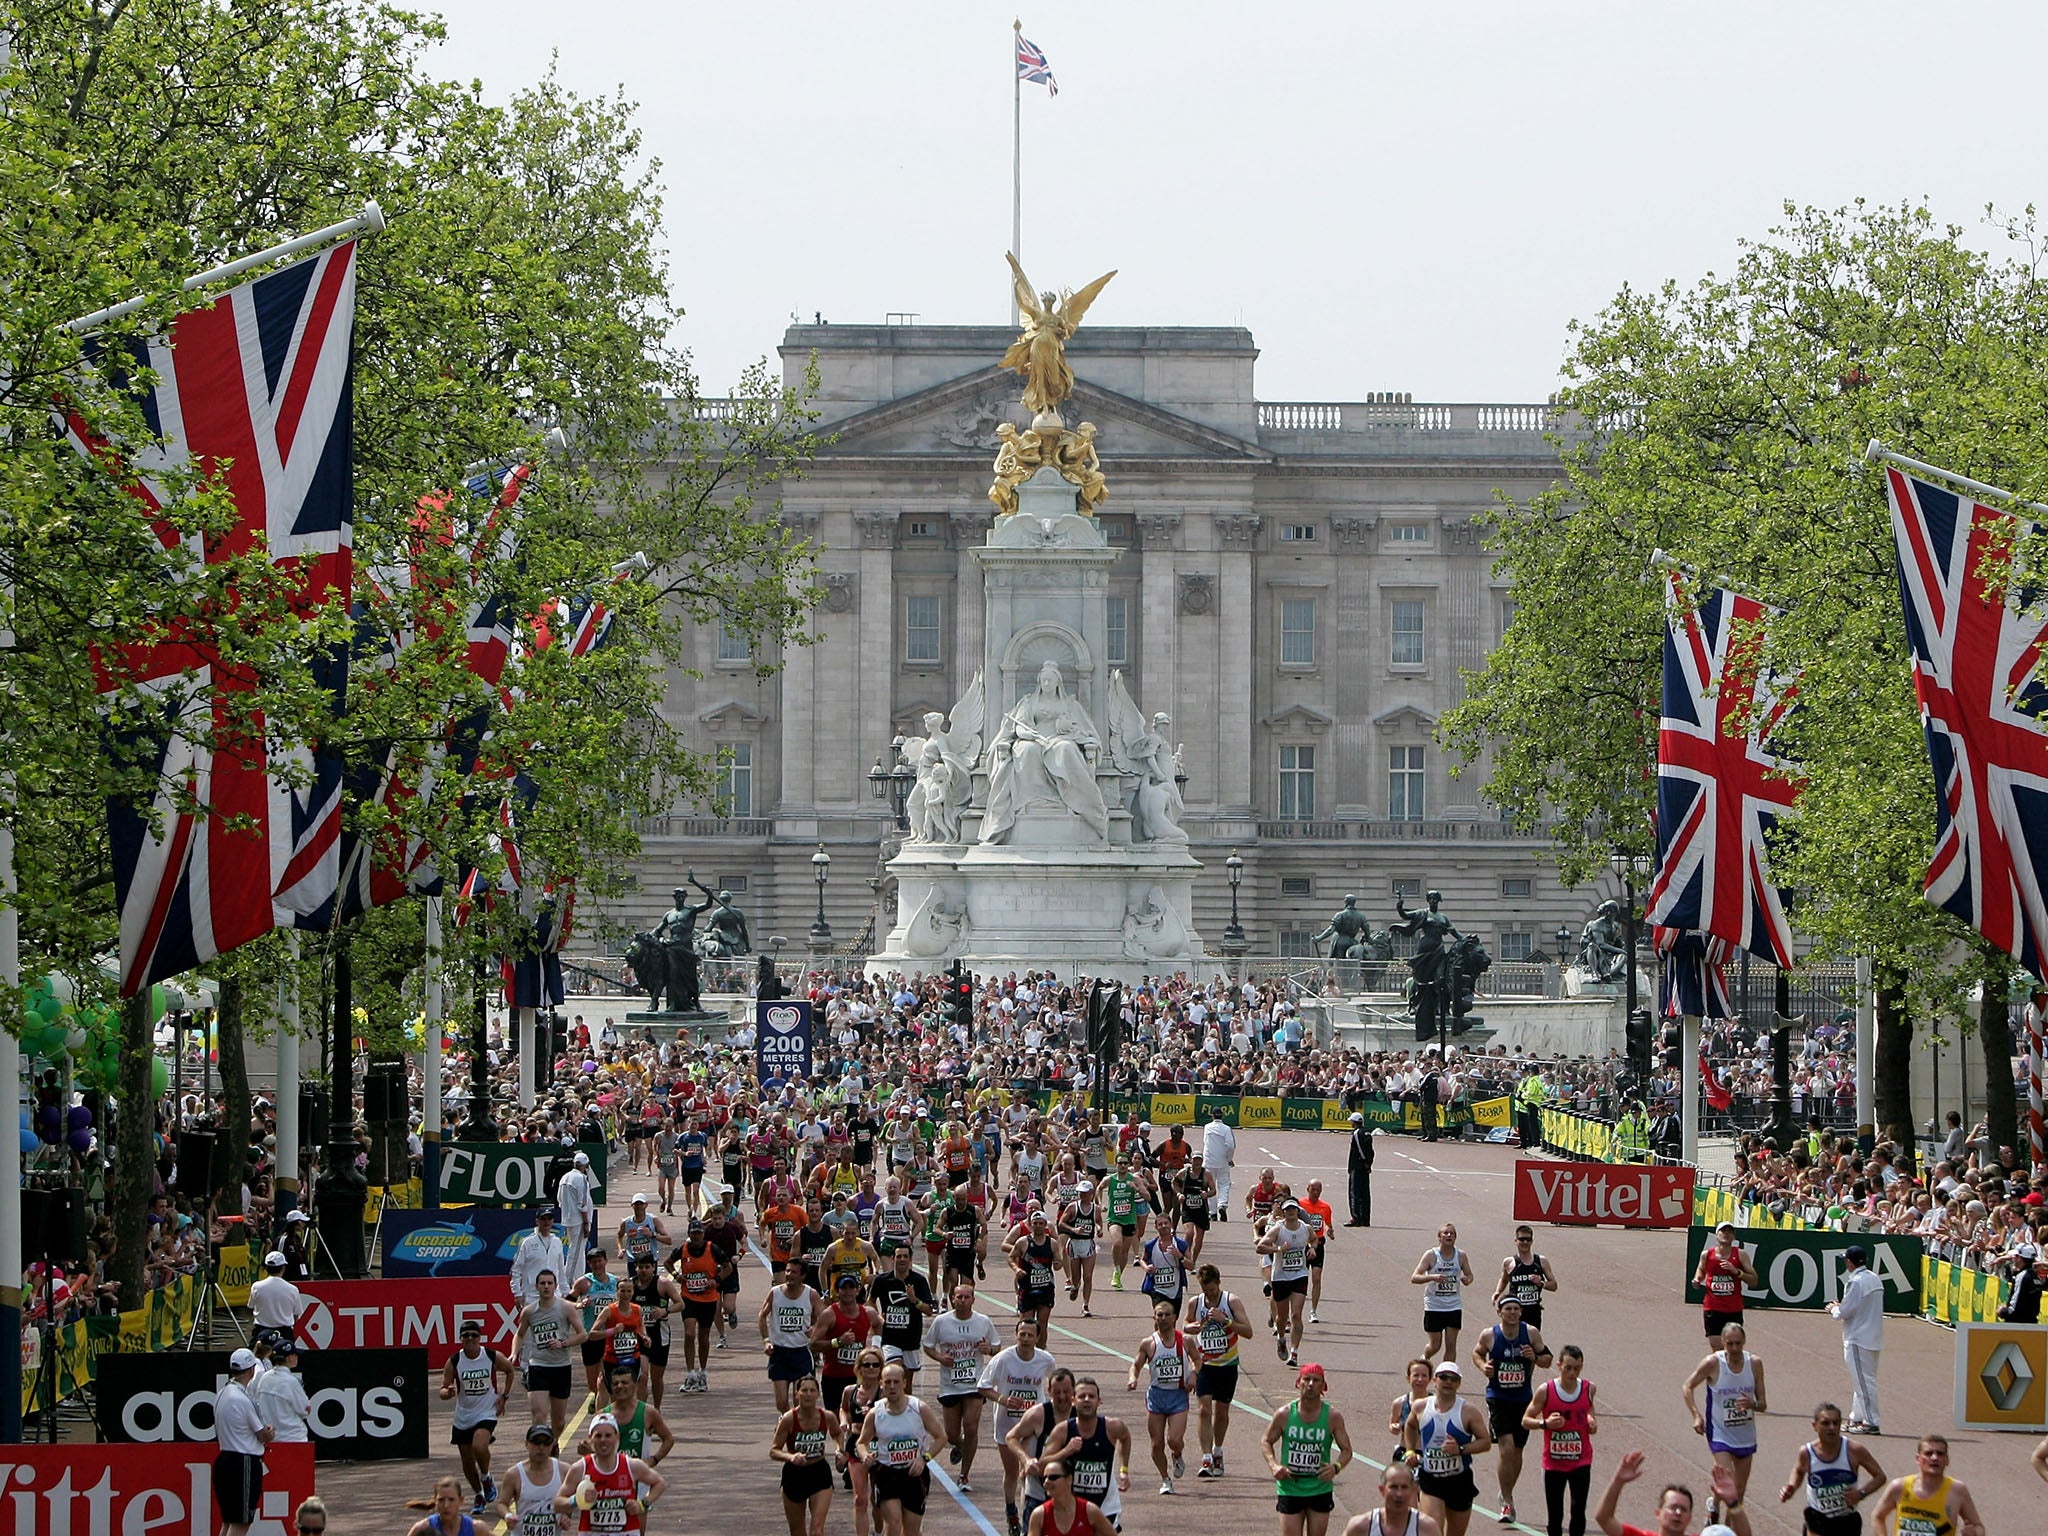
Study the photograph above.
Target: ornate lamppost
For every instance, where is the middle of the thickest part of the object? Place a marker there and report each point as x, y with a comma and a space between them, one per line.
893, 783
1630, 868
821, 871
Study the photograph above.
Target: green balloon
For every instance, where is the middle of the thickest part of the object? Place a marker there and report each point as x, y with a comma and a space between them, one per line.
47, 1008
159, 1077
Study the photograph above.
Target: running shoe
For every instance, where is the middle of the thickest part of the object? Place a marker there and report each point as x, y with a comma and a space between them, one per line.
1207, 1468
1086, 1313
721, 1341
966, 1486
1116, 1281
1180, 1465
1507, 1514
1280, 1343
953, 1453
1293, 1358
1312, 1315
1219, 1461
1166, 1486
477, 1509
490, 1489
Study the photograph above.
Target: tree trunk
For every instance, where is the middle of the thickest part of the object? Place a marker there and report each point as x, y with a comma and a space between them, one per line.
131, 1172
234, 1093
1893, 1094
1994, 1033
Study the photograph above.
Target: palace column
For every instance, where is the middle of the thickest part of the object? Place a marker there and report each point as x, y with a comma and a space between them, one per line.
1237, 535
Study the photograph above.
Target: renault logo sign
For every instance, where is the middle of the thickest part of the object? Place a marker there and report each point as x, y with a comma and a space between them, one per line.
2001, 1376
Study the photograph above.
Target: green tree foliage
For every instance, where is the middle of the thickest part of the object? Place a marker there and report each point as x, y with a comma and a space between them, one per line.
1725, 423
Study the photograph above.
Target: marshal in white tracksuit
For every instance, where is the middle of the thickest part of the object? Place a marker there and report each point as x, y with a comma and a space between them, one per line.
1219, 1151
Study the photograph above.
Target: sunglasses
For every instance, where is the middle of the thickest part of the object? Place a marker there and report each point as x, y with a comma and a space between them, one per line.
311, 1530
1053, 1477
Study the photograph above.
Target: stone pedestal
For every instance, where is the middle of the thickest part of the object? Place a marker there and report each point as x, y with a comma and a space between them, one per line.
1052, 892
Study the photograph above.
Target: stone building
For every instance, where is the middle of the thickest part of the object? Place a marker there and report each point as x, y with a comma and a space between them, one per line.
1301, 586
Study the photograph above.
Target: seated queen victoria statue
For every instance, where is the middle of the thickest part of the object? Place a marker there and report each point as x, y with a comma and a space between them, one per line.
1043, 753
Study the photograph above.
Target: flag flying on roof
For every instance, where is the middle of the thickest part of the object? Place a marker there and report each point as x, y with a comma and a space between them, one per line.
1977, 651
251, 393
1031, 66
1723, 784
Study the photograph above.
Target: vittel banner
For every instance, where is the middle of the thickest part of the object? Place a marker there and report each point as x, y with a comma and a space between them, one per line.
123, 1490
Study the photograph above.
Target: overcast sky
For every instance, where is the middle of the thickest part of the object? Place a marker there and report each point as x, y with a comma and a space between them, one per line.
1415, 197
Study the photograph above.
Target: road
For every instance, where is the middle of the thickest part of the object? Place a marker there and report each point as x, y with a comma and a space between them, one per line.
1620, 1302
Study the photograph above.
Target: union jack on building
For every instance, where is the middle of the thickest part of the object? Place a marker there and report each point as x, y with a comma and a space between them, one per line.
1031, 66
1722, 783
1983, 711
252, 392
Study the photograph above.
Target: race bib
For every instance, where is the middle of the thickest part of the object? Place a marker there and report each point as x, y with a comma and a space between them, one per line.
1442, 1461
896, 1317
1722, 1285
1511, 1374
963, 1372
900, 1452
1293, 1264
1443, 1287
1166, 1371
547, 1333
1734, 1412
1040, 1277
1832, 1498
1215, 1337
1092, 1477
1566, 1445
793, 1320
608, 1513
697, 1282
1529, 1293
538, 1522
1304, 1459
848, 1354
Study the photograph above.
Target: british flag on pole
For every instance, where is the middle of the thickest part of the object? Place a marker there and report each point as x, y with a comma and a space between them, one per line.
252, 394
1977, 653
1722, 782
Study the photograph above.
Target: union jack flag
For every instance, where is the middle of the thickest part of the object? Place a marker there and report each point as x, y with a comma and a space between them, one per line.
1722, 783
1031, 65
1694, 976
1984, 712
251, 393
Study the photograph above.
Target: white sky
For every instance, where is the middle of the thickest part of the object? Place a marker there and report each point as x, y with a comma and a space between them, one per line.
1408, 198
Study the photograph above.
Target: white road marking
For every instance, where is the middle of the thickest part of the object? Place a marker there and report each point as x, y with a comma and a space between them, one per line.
1277, 1158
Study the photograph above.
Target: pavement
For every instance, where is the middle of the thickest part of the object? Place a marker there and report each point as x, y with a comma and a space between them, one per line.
1621, 1301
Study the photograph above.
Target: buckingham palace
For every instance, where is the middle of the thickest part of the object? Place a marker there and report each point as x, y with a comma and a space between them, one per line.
1300, 586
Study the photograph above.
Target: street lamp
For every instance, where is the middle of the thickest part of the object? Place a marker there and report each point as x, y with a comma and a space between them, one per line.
894, 782
821, 871
1234, 867
1631, 868
1564, 939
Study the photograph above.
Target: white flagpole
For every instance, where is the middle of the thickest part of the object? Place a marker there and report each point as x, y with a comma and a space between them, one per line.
1016, 159
1689, 1088
286, 1181
368, 222
1877, 451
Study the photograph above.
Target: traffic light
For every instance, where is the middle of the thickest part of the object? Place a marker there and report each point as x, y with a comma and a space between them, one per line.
1106, 1019
1668, 1044
1639, 1041
960, 995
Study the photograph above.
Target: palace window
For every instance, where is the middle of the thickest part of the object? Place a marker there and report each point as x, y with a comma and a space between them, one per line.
1407, 888
920, 629
736, 778
1297, 943
1516, 944
1409, 533
1406, 649
733, 644
1297, 783
924, 530
1297, 533
1297, 885
1514, 887
1117, 642
1298, 632
1405, 773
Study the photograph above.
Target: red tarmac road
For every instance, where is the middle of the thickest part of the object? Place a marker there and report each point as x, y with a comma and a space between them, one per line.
1620, 1301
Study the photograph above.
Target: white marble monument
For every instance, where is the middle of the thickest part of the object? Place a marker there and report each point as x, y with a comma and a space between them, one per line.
1045, 821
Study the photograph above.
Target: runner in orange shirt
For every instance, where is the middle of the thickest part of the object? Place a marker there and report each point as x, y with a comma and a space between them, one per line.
781, 1223
1323, 1222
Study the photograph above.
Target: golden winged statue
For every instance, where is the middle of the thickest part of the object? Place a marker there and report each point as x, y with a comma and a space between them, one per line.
1040, 354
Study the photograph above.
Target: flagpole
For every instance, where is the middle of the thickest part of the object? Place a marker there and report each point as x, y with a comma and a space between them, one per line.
430, 1071
1877, 451
285, 1183
368, 222
10, 1046
1689, 1088
1016, 160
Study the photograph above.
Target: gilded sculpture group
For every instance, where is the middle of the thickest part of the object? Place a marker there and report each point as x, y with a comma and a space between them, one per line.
1040, 355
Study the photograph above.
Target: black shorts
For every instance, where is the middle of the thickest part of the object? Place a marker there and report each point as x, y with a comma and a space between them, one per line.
703, 1313
1031, 1301
1847, 1523
947, 1398
1506, 1421
887, 1483
729, 1285
800, 1484
1306, 1503
1195, 1212
593, 1351
1532, 1314
691, 1177
1315, 1257
1459, 1492
657, 1354
1282, 1289
1218, 1383
955, 1180
238, 1487
551, 1379
1441, 1322
1123, 1230
792, 1362
1716, 1321
460, 1433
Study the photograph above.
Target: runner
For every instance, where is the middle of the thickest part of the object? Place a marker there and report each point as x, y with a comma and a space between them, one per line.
1026, 1442
1219, 1320
1306, 1446
935, 1210
962, 1339
623, 1328
1404, 1404
1163, 1357
1015, 1382
1080, 1223
1034, 1257
1562, 1409
612, 1493
904, 1298
1196, 1199
547, 1328
1525, 1275
696, 1279
789, 1314
895, 1438
1164, 1262
637, 1420
843, 1329
640, 1233
1674, 1503
853, 1407
1929, 1502
1288, 1242
1507, 1355
597, 1289
1441, 1437
1399, 1513
1063, 1514
657, 1297
531, 1486
1444, 1271
1124, 1207
726, 1231
896, 1218
802, 1436
447, 1518
1095, 1448
1734, 1379
1322, 1222
966, 1239
1722, 1274
1826, 1469
478, 1380
852, 1255
691, 1146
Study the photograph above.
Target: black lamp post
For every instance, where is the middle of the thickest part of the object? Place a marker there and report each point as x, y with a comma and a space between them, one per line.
894, 783
1631, 868
1234, 867
1564, 939
821, 871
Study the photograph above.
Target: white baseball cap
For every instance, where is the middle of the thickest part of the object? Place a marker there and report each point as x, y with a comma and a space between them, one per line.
292, 1218
241, 1360
582, 1159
